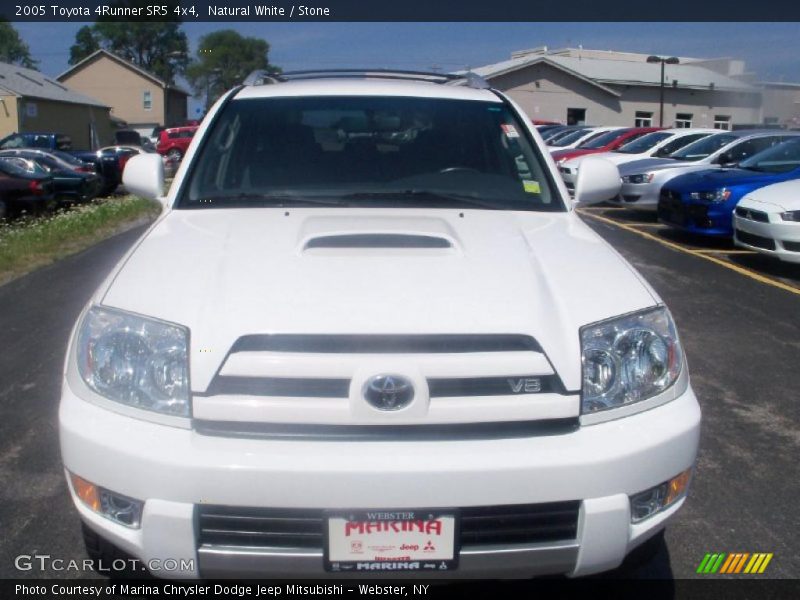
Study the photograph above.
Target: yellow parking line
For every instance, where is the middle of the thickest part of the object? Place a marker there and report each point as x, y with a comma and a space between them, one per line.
658, 225
698, 253
602, 208
710, 251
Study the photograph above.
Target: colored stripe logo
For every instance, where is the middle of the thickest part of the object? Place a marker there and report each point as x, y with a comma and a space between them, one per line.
735, 563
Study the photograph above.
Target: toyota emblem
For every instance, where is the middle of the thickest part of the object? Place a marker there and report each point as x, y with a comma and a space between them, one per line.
389, 392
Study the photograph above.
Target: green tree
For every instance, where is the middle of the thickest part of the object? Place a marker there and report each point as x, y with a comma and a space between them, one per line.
12, 49
85, 44
224, 59
160, 47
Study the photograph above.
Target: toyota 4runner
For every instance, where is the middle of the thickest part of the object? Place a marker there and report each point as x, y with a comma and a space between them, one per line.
369, 335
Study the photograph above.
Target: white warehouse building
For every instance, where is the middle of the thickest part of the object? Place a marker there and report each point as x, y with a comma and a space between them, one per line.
596, 87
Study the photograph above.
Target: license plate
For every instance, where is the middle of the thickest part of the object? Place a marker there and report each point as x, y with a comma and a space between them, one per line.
376, 541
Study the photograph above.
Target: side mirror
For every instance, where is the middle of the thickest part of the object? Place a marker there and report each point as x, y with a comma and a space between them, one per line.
144, 176
598, 180
725, 160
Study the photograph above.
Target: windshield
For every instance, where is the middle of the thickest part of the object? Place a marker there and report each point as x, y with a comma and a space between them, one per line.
574, 136
778, 159
603, 139
369, 151
644, 143
703, 148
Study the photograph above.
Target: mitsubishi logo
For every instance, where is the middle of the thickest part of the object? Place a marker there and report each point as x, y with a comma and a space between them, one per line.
389, 392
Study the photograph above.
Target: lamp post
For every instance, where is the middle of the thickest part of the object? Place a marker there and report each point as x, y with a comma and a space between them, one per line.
672, 60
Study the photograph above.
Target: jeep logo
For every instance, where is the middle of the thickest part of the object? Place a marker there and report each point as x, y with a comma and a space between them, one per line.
525, 385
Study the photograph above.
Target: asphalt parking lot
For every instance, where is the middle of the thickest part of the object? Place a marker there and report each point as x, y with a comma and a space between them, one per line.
738, 318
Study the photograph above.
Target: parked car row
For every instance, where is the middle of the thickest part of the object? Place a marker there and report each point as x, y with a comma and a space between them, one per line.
743, 185
72, 176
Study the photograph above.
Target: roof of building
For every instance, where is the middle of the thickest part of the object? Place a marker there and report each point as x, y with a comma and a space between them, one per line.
617, 69
33, 84
97, 54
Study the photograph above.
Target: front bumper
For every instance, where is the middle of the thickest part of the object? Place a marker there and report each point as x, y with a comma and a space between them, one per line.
778, 239
175, 470
640, 196
705, 218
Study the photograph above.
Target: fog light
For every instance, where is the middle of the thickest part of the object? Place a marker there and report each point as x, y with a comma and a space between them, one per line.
120, 509
647, 503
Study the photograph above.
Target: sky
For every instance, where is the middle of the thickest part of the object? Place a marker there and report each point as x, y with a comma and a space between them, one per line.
771, 50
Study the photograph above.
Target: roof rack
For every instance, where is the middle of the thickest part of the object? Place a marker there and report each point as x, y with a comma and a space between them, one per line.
469, 78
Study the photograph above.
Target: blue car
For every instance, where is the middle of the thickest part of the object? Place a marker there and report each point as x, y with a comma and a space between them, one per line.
703, 201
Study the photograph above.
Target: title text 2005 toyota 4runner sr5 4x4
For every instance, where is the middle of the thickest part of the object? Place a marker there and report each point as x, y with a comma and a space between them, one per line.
370, 335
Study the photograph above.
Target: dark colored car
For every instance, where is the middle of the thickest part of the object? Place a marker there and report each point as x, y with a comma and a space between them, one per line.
107, 166
24, 186
605, 142
703, 201
173, 142
72, 181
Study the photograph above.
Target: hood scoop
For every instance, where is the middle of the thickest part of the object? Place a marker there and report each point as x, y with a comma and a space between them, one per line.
395, 234
378, 240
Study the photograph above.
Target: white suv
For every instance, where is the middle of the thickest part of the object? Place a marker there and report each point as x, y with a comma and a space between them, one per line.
370, 335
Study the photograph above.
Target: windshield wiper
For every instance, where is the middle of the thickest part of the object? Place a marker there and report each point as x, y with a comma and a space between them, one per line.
244, 200
413, 194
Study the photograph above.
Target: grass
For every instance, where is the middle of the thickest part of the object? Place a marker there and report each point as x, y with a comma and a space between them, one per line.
30, 243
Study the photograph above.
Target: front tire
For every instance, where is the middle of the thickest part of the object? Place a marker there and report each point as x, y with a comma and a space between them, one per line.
175, 155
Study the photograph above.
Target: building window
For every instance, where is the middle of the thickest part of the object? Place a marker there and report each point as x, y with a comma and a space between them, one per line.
722, 122
683, 120
643, 119
576, 116
771, 121
147, 100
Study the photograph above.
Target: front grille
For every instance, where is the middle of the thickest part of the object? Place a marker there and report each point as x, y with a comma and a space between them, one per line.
755, 240
791, 246
340, 388
260, 527
670, 208
303, 528
380, 344
753, 215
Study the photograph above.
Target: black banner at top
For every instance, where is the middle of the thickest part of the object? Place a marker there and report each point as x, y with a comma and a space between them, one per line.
399, 10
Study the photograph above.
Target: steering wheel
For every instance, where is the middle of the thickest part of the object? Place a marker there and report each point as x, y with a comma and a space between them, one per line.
457, 169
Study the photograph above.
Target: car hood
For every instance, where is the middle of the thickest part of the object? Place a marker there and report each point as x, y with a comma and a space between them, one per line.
718, 178
226, 273
656, 164
574, 153
781, 196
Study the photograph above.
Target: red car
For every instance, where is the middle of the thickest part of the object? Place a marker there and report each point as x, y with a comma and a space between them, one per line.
606, 142
174, 141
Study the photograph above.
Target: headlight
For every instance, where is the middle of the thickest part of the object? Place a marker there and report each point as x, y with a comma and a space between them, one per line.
135, 361
792, 215
720, 195
638, 178
628, 359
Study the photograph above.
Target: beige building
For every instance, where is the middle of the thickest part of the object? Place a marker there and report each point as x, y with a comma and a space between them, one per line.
575, 86
136, 96
781, 103
31, 102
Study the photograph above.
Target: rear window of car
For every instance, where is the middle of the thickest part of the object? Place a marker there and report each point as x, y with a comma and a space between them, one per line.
369, 151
